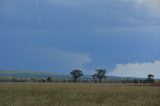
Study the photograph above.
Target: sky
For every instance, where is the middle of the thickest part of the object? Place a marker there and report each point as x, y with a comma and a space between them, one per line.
58, 36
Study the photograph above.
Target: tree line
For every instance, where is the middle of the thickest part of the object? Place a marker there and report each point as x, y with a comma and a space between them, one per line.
98, 77
100, 74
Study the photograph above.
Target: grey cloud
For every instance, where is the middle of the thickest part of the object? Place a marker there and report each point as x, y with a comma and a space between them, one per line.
75, 15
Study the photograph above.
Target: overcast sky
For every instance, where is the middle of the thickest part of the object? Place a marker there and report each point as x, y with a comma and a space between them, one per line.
122, 36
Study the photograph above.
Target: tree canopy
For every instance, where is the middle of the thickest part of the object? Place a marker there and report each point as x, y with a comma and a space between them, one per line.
100, 74
76, 74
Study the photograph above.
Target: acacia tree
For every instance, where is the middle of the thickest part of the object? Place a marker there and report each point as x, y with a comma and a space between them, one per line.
100, 74
150, 78
76, 74
49, 79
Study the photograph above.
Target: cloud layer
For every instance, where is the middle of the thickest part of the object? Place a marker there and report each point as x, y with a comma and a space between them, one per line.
41, 59
137, 69
79, 15
152, 5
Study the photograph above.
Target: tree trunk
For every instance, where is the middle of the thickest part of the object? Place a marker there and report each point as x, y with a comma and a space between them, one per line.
75, 80
100, 80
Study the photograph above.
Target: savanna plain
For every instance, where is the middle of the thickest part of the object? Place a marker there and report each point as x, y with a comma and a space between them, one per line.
69, 94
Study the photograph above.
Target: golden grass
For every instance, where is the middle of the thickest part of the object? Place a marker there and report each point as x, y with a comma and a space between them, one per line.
34, 94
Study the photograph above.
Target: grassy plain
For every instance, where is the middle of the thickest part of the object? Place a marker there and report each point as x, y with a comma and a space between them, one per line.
38, 94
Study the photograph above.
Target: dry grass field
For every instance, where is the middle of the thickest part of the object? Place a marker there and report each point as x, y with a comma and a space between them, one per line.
34, 94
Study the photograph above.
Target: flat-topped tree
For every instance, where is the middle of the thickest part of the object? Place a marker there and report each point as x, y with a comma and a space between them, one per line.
49, 79
76, 73
100, 74
150, 78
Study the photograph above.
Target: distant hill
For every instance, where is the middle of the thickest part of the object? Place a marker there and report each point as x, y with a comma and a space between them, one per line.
37, 74
25, 74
